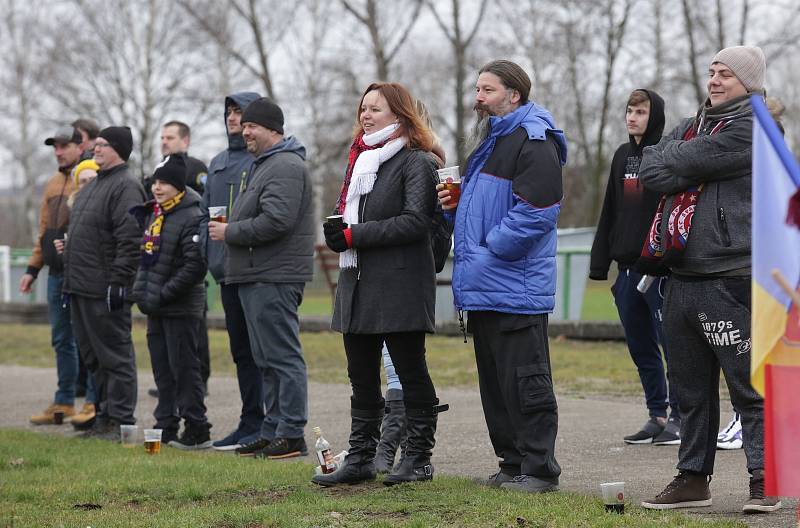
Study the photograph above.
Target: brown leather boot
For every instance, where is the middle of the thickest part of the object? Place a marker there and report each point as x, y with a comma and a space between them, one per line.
87, 414
758, 502
47, 416
687, 490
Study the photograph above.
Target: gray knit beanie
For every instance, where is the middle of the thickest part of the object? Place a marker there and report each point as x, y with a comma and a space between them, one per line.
747, 63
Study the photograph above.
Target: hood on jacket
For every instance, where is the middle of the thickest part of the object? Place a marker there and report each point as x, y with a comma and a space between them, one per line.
240, 99
289, 144
536, 121
655, 123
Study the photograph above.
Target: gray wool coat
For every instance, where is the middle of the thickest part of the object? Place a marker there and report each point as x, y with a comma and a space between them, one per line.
394, 287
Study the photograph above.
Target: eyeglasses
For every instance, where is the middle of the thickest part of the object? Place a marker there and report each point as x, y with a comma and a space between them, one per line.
98, 144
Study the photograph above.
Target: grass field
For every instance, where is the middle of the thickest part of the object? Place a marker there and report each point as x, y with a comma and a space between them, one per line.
579, 367
56, 481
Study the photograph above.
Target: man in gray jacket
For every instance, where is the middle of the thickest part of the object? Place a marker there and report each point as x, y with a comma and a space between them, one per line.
270, 242
703, 168
101, 257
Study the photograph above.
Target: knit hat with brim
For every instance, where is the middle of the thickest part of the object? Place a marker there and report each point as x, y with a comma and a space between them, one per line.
747, 63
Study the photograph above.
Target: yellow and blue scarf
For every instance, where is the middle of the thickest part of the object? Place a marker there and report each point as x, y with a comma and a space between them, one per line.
151, 242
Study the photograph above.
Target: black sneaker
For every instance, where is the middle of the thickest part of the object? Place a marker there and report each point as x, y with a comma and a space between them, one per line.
107, 429
650, 430
531, 484
193, 437
496, 480
253, 447
671, 435
284, 448
168, 435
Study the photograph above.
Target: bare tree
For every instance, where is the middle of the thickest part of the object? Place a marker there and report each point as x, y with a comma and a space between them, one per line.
265, 23
21, 79
692, 38
386, 38
155, 71
460, 41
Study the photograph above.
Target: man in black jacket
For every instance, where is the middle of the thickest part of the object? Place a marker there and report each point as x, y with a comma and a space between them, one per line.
628, 210
270, 242
169, 289
100, 261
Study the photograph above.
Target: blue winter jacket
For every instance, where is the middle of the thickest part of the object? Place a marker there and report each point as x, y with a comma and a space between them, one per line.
227, 173
505, 244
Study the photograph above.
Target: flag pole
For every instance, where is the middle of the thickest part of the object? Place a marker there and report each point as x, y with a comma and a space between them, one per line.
784, 284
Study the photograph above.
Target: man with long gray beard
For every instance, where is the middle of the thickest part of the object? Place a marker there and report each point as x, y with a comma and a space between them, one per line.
504, 275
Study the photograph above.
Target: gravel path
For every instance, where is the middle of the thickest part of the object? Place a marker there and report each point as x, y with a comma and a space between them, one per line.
590, 449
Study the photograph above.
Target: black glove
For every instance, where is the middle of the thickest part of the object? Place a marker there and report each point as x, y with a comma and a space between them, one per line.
334, 236
115, 297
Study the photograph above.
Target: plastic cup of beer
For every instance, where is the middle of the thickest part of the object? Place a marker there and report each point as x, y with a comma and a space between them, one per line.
152, 441
128, 434
613, 496
58, 417
335, 220
451, 179
218, 213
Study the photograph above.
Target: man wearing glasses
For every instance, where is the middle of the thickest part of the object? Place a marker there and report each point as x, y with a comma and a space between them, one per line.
101, 258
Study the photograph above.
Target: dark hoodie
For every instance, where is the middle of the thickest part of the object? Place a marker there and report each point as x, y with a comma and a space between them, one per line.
628, 207
226, 176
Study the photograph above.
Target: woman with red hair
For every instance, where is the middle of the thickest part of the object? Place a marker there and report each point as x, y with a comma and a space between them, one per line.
387, 285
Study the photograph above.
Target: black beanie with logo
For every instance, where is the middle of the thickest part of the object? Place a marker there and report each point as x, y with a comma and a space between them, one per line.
172, 171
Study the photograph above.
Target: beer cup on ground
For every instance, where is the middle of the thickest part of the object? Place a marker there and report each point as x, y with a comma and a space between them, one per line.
58, 417
613, 496
218, 213
152, 441
451, 179
128, 434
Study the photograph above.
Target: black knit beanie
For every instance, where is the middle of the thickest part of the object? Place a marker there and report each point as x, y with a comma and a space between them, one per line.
172, 171
120, 139
264, 112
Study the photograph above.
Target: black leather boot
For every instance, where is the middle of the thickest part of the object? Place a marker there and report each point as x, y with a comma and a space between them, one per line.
415, 464
358, 465
393, 431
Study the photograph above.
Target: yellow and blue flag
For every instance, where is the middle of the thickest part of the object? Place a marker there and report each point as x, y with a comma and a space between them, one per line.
775, 358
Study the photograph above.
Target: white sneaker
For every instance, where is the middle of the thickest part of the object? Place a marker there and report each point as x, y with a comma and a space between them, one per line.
731, 436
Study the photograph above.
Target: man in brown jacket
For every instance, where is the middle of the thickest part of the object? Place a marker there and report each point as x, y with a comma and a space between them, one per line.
53, 219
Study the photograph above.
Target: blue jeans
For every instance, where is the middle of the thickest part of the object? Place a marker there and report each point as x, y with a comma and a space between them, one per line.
250, 383
392, 379
640, 314
274, 329
63, 342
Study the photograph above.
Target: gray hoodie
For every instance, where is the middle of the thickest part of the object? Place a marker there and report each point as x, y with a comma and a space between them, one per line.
270, 233
719, 240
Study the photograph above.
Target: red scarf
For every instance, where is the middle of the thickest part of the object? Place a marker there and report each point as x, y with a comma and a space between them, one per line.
657, 253
356, 149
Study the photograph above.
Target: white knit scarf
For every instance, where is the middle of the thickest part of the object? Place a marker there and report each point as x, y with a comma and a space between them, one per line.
365, 171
